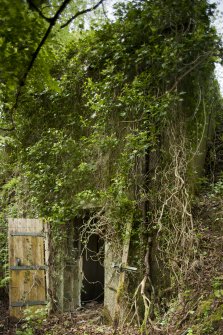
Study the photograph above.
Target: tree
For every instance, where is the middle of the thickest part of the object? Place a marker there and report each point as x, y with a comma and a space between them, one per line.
26, 27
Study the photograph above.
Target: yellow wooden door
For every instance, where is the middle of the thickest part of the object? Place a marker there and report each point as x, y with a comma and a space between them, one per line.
27, 265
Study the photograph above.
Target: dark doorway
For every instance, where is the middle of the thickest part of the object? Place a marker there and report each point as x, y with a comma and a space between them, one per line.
93, 270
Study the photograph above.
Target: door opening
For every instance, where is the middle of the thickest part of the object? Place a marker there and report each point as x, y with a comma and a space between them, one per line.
93, 270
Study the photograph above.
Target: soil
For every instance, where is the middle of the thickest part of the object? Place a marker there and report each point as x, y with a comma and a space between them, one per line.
6, 324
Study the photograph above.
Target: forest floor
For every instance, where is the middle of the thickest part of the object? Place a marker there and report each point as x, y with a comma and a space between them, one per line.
84, 321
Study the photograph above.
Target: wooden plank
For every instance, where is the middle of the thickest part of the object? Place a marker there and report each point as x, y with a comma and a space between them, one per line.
26, 253
28, 285
25, 225
28, 249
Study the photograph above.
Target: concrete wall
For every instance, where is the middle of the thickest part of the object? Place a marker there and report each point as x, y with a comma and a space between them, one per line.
111, 279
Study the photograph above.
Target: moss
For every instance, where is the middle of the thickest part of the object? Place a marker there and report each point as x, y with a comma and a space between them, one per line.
120, 292
204, 308
209, 318
106, 316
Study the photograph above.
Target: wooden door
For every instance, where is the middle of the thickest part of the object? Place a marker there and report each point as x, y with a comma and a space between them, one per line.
27, 265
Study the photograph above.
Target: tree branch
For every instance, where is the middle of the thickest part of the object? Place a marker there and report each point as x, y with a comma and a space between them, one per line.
84, 11
22, 81
104, 11
32, 4
194, 64
52, 21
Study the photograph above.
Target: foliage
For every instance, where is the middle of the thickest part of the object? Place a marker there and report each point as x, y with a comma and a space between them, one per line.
208, 317
29, 32
116, 122
109, 95
33, 320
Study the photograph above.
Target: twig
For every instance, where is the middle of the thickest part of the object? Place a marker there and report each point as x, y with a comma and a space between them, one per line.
84, 11
53, 21
32, 4
195, 63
